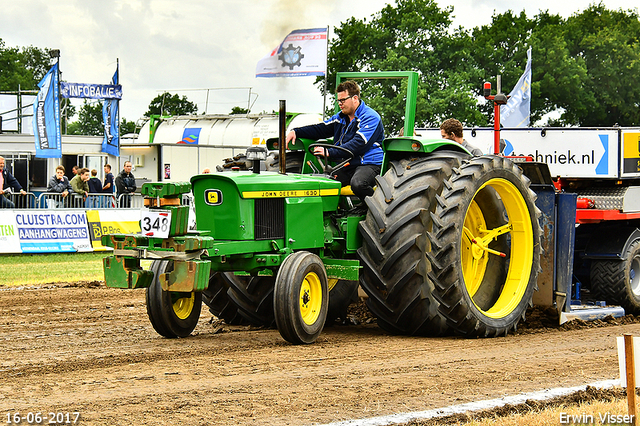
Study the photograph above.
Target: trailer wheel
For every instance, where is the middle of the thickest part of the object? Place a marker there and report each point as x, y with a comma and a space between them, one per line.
253, 297
301, 298
485, 254
172, 314
219, 303
393, 254
618, 282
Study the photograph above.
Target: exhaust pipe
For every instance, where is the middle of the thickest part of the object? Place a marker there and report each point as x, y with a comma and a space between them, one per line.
282, 121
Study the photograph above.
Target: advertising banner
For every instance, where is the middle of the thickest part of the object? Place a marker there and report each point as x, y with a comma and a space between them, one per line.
90, 91
52, 231
111, 221
9, 240
111, 141
301, 53
46, 117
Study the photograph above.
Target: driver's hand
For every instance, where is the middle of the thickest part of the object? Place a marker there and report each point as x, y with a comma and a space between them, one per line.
318, 150
291, 136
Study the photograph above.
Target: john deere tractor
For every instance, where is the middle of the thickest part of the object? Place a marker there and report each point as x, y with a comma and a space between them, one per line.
450, 243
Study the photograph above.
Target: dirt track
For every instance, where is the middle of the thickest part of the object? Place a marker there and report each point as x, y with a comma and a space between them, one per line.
92, 350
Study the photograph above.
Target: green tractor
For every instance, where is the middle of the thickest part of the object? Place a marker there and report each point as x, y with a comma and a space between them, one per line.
450, 243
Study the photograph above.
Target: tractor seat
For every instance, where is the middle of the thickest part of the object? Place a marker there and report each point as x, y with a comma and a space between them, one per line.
346, 190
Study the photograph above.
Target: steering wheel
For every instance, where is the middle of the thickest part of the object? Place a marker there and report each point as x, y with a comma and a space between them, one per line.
326, 168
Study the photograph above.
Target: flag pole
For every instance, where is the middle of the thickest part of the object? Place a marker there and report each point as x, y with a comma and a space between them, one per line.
326, 72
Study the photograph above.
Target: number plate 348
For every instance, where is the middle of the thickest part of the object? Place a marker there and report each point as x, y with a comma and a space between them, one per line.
155, 223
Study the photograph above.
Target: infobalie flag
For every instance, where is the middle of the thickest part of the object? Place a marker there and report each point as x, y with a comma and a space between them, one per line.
46, 117
517, 111
111, 141
302, 53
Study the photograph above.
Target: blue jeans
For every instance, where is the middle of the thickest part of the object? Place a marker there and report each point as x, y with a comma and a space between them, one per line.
6, 203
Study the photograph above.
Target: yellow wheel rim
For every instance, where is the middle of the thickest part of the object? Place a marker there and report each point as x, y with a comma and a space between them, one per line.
183, 305
310, 298
474, 259
475, 251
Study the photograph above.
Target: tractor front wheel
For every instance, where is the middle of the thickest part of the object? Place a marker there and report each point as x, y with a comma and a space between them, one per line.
301, 298
172, 314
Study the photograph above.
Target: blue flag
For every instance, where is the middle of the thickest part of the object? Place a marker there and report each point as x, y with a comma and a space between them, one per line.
46, 117
111, 141
517, 111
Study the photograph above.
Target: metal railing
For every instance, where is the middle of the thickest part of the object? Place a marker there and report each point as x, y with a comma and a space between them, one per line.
17, 200
55, 200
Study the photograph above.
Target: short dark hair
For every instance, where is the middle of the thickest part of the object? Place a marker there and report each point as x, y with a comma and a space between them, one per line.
108, 165
61, 167
349, 86
451, 125
83, 171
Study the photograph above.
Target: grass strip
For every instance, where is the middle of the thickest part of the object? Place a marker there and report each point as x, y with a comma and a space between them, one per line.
30, 269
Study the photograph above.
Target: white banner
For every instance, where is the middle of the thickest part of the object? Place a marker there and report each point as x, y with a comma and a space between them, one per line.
301, 53
9, 240
49, 231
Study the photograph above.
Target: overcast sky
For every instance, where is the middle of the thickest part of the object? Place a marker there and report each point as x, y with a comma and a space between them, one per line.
184, 45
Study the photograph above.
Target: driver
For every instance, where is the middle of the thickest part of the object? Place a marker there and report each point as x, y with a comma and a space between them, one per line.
357, 128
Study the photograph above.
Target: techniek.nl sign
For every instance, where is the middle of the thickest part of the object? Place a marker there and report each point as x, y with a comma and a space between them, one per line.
59, 231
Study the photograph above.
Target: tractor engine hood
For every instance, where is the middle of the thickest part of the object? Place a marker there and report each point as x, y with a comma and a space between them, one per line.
248, 206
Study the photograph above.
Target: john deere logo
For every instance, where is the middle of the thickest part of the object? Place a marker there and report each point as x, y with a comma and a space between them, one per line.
213, 197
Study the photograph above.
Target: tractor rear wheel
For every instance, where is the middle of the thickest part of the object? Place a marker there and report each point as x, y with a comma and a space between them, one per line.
219, 303
172, 314
485, 250
393, 254
618, 281
301, 298
253, 297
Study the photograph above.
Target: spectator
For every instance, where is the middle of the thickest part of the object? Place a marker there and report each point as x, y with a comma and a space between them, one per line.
60, 184
79, 183
108, 186
7, 183
126, 185
452, 129
74, 170
95, 187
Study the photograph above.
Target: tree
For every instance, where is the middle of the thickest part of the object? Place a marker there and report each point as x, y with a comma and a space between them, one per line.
22, 68
127, 126
239, 110
90, 121
168, 104
410, 35
609, 42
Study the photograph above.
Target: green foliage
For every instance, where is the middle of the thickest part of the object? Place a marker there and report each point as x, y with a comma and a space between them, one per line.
22, 67
585, 67
239, 110
127, 126
168, 104
90, 120
412, 35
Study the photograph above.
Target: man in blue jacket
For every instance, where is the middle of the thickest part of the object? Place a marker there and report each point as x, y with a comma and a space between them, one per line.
357, 128
7, 183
